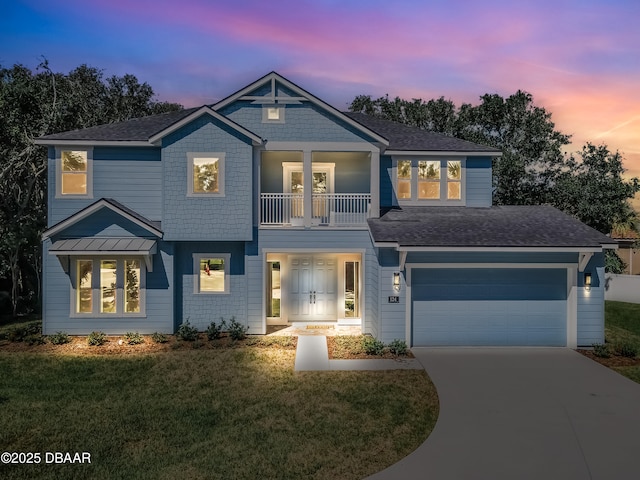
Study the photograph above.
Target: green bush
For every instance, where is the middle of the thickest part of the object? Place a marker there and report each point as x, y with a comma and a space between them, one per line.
159, 337
398, 347
236, 330
627, 349
36, 339
187, 332
133, 338
372, 346
59, 338
601, 350
22, 332
96, 339
214, 331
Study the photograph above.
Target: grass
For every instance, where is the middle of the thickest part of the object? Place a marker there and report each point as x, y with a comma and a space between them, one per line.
622, 325
208, 413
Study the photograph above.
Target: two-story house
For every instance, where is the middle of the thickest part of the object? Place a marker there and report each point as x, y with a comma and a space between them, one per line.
274, 207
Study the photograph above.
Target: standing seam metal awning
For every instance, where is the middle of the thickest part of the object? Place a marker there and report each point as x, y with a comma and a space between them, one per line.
98, 246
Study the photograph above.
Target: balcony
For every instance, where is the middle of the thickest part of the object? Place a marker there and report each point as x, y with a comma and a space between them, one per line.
326, 209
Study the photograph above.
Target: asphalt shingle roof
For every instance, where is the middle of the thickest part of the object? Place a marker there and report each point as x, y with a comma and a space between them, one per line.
404, 137
498, 226
137, 129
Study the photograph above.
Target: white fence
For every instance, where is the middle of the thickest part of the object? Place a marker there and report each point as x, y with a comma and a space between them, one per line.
622, 288
334, 209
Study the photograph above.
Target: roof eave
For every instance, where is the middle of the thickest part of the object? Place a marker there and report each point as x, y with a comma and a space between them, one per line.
433, 153
93, 143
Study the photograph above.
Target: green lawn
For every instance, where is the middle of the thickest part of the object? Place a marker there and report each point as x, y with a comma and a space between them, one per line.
200, 413
622, 325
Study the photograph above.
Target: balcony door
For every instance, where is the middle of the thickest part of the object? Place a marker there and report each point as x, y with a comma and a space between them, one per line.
322, 178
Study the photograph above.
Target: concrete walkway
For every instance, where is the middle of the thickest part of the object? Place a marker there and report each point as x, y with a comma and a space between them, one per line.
312, 354
525, 413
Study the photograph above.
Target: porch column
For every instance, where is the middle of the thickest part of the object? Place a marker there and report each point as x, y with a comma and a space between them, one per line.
375, 184
307, 174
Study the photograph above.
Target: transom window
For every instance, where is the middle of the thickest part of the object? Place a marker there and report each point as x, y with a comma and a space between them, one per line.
74, 173
211, 272
109, 286
421, 181
206, 174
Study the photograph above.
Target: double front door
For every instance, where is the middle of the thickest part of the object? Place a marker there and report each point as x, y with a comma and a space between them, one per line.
313, 287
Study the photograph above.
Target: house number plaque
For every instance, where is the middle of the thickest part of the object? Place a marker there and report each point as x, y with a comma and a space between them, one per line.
394, 299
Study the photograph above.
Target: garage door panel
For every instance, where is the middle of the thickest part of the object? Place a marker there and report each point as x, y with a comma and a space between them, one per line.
486, 322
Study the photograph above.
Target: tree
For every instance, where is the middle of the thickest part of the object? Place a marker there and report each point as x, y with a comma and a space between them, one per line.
36, 103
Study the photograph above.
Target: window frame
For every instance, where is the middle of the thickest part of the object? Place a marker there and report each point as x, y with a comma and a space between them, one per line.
191, 156
58, 169
415, 200
96, 293
265, 113
196, 273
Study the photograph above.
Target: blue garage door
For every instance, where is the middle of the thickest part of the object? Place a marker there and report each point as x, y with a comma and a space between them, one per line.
489, 306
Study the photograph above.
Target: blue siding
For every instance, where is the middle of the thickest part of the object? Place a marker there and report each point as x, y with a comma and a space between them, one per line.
387, 195
158, 300
591, 304
224, 218
132, 176
104, 223
490, 257
303, 123
201, 309
479, 182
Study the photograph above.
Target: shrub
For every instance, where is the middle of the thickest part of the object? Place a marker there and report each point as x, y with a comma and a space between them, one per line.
398, 347
59, 338
187, 332
159, 337
214, 331
22, 332
601, 350
236, 330
36, 339
627, 349
372, 346
133, 338
96, 339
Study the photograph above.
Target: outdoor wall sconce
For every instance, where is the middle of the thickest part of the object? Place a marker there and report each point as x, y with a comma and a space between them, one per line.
587, 281
396, 281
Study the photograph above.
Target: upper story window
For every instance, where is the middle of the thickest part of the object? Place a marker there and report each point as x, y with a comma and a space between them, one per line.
429, 181
272, 114
206, 174
74, 173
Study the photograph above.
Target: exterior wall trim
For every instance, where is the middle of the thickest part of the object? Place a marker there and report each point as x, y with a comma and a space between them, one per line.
491, 265
432, 153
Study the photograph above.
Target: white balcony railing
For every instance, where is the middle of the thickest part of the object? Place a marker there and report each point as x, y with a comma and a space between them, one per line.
330, 209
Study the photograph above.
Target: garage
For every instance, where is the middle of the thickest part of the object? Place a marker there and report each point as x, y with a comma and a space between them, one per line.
489, 306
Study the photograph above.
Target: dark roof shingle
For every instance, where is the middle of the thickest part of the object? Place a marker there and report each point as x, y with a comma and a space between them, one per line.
404, 137
498, 226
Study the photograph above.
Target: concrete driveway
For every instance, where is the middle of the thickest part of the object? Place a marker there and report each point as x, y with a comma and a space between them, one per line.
526, 413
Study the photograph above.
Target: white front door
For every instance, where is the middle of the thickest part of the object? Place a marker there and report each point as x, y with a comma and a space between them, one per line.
312, 287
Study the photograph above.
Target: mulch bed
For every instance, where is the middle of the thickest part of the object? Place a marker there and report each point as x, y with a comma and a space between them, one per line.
613, 360
338, 354
115, 345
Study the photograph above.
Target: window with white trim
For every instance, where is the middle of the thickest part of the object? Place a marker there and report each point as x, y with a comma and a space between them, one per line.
429, 181
108, 286
74, 173
211, 272
205, 174
273, 114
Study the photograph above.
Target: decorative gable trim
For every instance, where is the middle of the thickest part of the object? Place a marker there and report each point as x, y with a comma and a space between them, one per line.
205, 110
93, 208
302, 96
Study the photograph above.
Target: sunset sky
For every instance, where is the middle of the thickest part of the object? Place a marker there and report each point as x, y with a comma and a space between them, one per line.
579, 58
